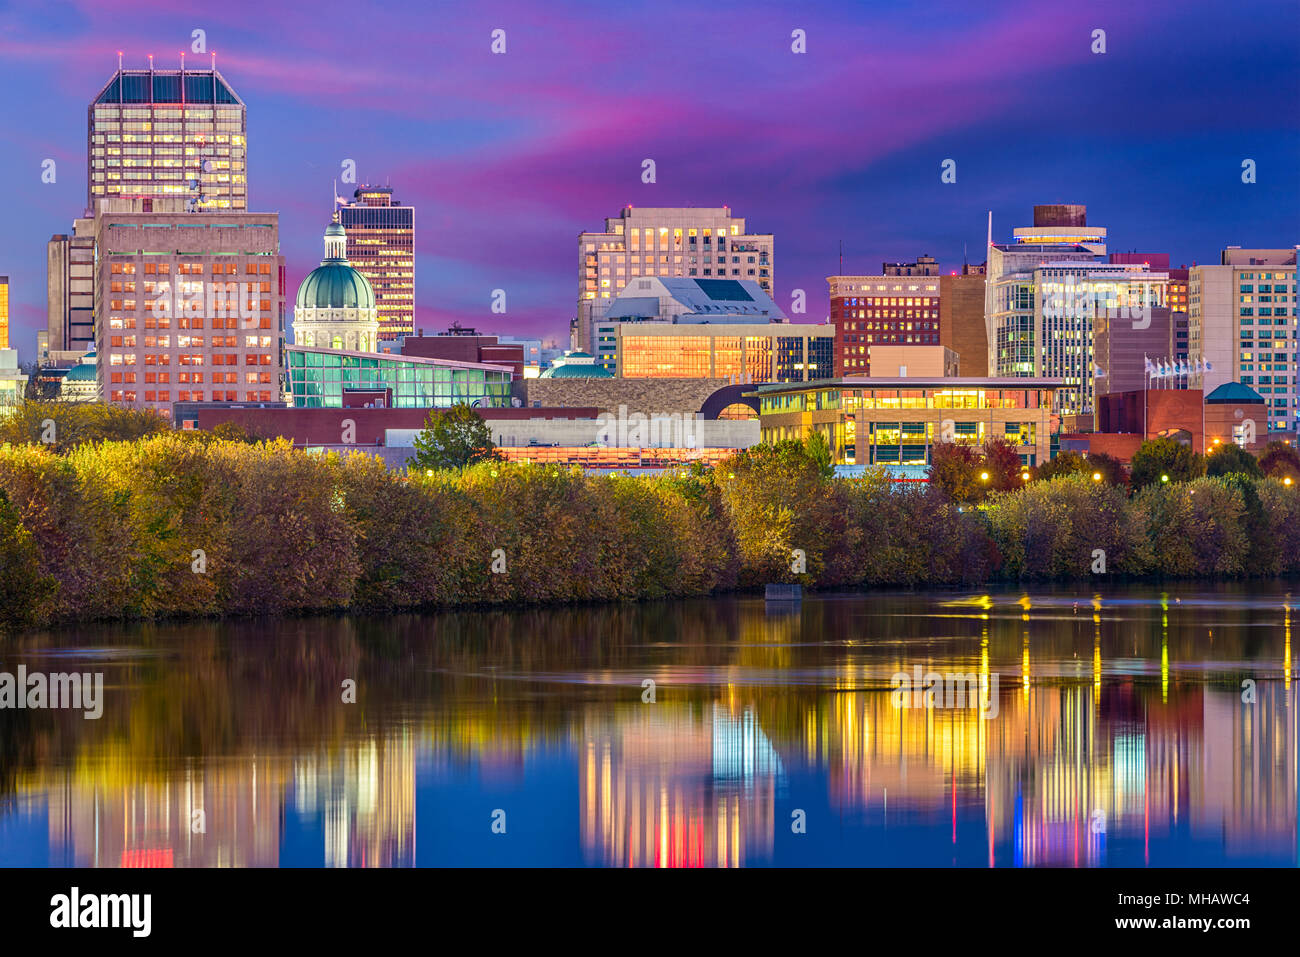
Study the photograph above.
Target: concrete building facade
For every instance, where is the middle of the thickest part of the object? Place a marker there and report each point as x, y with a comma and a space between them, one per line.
70, 292
189, 307
1241, 327
698, 242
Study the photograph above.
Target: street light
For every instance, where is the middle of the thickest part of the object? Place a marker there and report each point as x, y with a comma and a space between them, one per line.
1096, 476
1164, 478
984, 476
1024, 476
1287, 480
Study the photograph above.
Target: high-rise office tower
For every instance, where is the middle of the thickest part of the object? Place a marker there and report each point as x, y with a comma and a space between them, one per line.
1043, 293
701, 243
168, 133
1241, 321
381, 246
190, 307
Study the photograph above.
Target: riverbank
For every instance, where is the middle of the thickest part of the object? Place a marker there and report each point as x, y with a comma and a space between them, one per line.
170, 526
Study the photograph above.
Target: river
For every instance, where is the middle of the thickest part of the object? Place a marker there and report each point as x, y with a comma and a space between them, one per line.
1139, 727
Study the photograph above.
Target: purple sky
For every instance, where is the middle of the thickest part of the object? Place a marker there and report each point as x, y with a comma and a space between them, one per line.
508, 157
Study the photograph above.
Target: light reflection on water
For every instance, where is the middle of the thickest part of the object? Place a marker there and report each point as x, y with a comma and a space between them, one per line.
1120, 737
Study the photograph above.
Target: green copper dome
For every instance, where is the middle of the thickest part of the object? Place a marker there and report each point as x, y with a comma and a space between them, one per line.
335, 285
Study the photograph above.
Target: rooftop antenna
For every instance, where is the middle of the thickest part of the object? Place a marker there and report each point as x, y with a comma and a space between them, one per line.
990, 239
841, 257
182, 61
119, 60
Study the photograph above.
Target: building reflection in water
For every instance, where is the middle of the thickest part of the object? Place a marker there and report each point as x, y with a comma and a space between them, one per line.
365, 794
1121, 738
230, 813
665, 785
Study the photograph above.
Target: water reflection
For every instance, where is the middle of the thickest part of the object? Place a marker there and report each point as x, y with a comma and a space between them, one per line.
1120, 737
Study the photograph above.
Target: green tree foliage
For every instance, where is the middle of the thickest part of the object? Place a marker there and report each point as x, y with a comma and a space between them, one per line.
1053, 530
453, 439
1281, 505
1230, 458
779, 499
168, 525
1281, 460
1159, 457
1111, 469
1196, 529
65, 425
234, 432
28, 591
819, 450
1067, 462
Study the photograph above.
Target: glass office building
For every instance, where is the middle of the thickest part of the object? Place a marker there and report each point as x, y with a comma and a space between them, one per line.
767, 352
323, 378
154, 133
873, 420
381, 246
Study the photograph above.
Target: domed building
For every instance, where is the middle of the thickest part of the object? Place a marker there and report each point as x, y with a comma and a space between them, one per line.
576, 365
81, 382
336, 303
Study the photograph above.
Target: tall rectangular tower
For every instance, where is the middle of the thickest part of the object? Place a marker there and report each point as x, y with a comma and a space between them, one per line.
381, 246
70, 289
190, 308
1241, 320
168, 133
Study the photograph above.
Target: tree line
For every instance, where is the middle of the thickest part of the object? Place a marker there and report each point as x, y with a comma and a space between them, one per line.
171, 523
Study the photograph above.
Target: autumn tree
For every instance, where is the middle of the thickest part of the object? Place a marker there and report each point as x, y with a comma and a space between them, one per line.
1002, 463
955, 471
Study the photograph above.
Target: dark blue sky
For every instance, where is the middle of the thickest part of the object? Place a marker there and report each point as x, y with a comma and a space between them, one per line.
507, 157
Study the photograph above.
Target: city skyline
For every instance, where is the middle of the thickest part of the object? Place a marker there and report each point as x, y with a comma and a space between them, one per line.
508, 157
